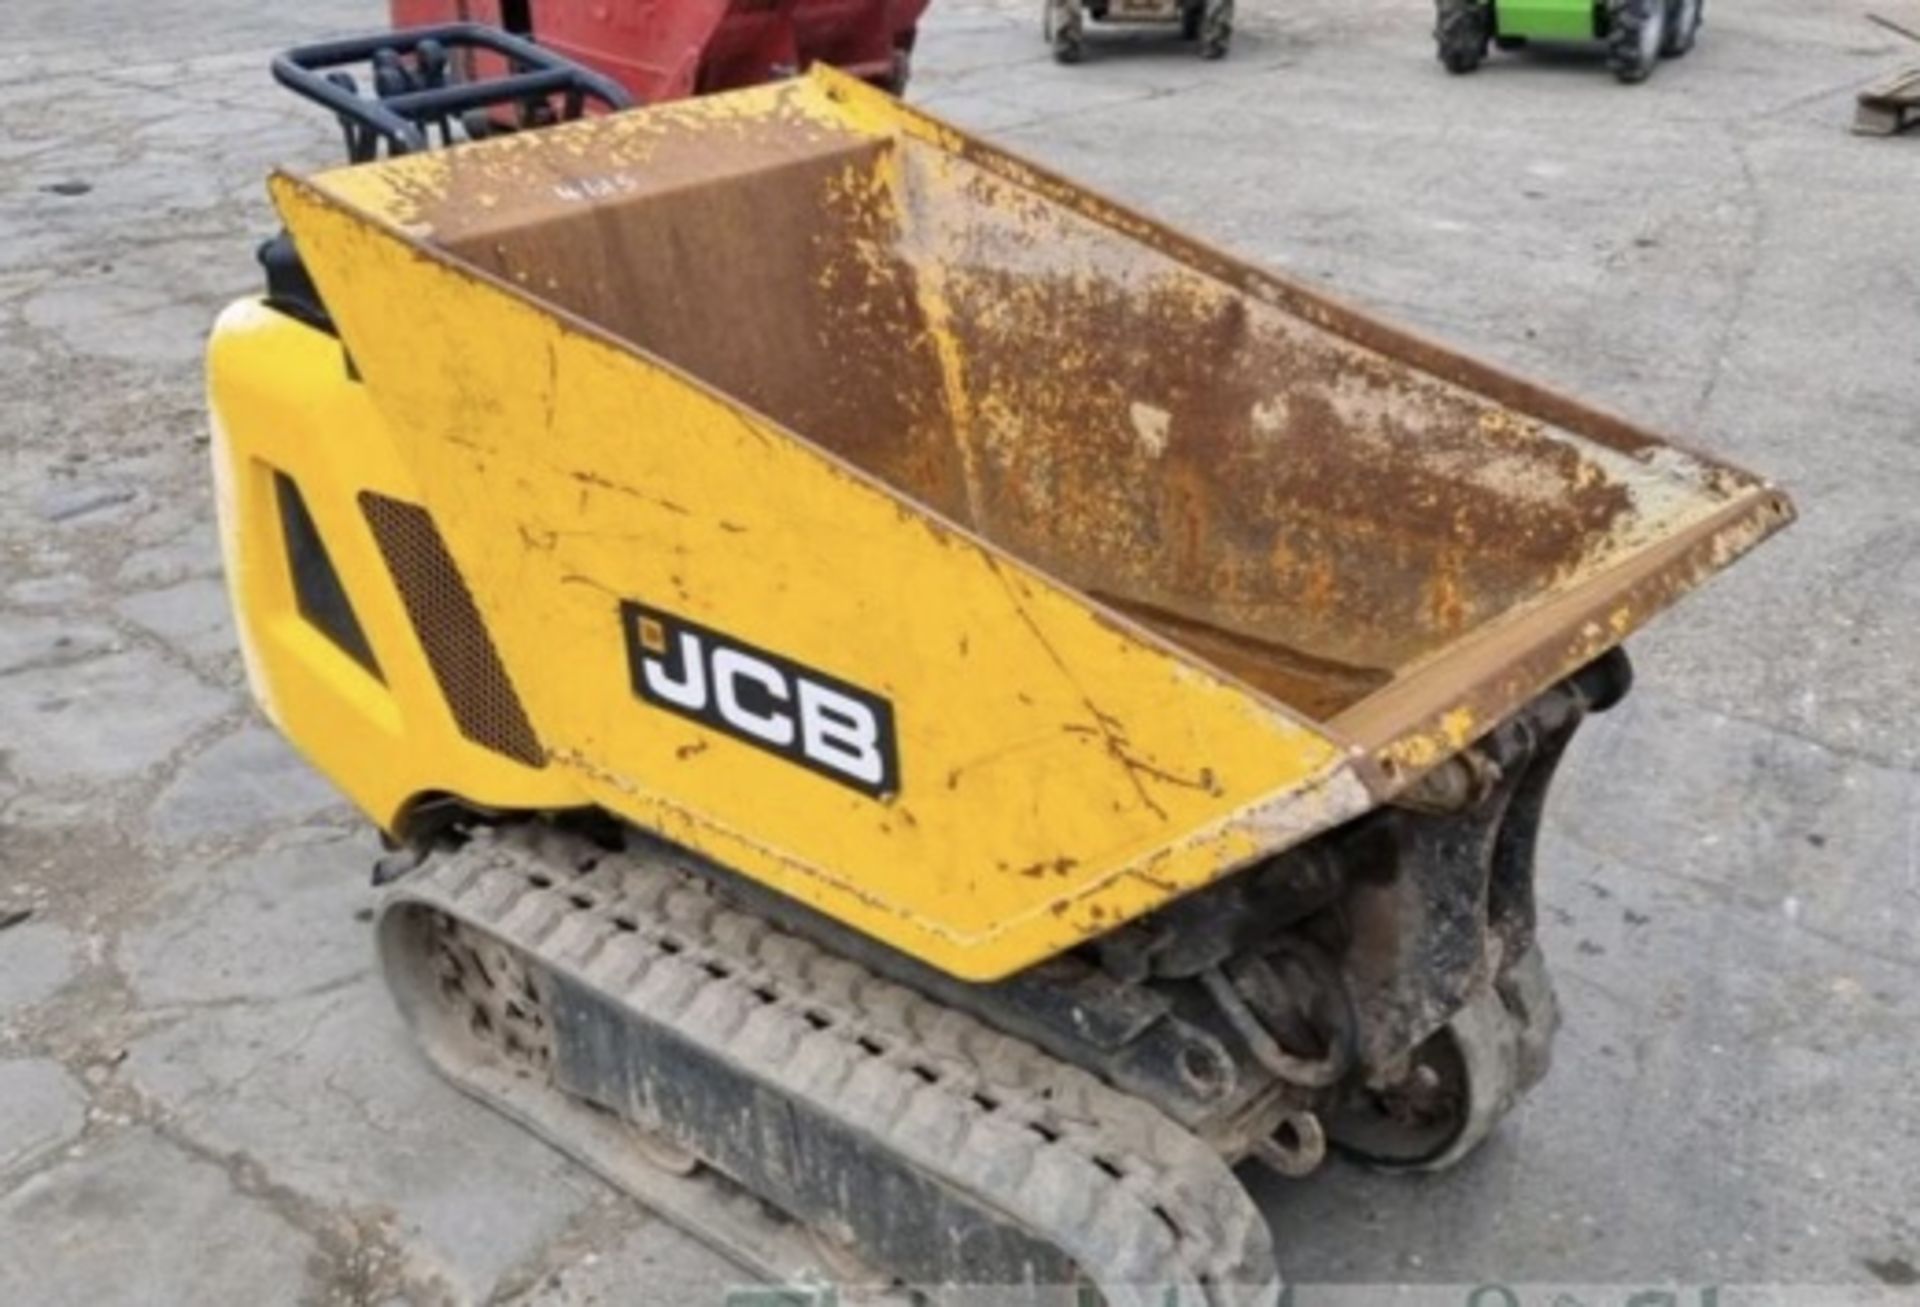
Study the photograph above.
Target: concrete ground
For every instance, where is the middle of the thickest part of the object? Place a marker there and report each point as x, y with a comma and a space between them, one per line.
204, 1096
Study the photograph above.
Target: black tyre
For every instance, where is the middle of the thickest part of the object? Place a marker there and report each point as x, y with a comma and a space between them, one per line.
1683, 26
1636, 33
1463, 32
1061, 26
1216, 28
1191, 18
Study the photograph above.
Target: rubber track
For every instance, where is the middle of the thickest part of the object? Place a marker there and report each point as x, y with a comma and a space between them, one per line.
1137, 1202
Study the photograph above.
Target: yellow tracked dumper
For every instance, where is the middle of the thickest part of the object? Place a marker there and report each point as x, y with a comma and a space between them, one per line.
904, 694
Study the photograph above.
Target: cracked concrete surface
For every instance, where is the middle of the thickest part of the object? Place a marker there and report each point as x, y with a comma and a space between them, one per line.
204, 1095
41, 1108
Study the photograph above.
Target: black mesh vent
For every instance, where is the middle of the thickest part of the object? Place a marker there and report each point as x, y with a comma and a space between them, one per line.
457, 645
317, 591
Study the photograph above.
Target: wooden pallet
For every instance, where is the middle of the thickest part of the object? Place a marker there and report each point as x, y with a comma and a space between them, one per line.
1890, 105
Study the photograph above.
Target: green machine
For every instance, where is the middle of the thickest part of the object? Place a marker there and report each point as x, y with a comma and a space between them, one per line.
1637, 33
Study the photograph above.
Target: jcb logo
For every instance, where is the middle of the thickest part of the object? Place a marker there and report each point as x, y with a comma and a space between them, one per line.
808, 717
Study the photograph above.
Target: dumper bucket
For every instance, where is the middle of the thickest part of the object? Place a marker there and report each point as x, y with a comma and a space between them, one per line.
949, 547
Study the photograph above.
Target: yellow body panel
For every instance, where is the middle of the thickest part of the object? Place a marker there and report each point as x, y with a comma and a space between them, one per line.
282, 401
584, 433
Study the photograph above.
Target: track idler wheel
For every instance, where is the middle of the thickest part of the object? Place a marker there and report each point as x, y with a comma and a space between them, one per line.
1461, 1082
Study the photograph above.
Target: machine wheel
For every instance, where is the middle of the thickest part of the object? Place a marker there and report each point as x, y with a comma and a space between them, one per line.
1463, 32
1061, 26
1461, 1082
1191, 18
1636, 34
1683, 26
1216, 28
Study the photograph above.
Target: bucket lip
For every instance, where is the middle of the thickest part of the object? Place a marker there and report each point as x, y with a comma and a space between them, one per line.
1431, 709
1445, 702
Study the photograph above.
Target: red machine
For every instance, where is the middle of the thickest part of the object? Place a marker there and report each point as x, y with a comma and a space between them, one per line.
667, 49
